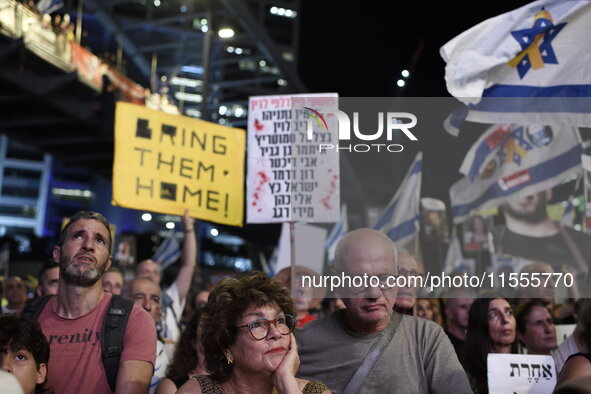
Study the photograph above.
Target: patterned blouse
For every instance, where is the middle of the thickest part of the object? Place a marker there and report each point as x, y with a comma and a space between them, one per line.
210, 386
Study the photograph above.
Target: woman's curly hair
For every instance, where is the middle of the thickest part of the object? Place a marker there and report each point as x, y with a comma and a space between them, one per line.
185, 355
225, 306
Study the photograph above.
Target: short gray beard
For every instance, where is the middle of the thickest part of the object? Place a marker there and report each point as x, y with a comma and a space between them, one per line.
74, 276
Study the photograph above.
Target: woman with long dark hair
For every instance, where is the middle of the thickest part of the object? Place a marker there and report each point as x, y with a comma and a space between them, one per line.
188, 359
491, 329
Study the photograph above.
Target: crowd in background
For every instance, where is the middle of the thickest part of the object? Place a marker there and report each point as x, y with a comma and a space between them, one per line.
223, 339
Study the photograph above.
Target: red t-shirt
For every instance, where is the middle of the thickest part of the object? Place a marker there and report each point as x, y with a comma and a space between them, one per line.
306, 319
75, 362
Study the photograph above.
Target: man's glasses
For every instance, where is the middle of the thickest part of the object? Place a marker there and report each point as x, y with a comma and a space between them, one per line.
259, 328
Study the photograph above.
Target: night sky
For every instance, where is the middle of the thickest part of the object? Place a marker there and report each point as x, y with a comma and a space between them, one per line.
358, 49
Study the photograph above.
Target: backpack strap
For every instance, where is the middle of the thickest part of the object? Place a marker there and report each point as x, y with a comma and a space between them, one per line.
112, 334
34, 307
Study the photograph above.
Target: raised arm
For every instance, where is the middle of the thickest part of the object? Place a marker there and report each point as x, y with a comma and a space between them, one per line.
188, 258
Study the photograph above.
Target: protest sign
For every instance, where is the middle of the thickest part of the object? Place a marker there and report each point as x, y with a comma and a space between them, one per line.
289, 178
168, 163
520, 373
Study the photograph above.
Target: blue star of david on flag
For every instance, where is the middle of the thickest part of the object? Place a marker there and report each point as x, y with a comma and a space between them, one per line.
508, 148
527, 37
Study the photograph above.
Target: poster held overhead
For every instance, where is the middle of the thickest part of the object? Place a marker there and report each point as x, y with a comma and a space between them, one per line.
288, 178
168, 163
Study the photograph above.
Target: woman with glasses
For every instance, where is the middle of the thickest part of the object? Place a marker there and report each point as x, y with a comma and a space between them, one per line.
246, 331
491, 329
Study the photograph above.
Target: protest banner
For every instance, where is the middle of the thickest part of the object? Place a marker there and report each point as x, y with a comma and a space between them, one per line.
512, 162
130, 91
167, 163
520, 373
289, 178
89, 67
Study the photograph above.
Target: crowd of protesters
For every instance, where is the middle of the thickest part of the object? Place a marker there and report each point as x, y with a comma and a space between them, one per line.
86, 331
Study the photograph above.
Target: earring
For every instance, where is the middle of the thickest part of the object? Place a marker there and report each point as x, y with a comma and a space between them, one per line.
229, 358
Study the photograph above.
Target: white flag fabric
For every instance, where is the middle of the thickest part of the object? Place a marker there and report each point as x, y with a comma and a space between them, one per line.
540, 49
281, 257
49, 6
168, 252
514, 161
454, 256
400, 220
340, 228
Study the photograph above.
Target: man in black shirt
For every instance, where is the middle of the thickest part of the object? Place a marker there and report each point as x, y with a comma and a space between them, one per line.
457, 306
530, 234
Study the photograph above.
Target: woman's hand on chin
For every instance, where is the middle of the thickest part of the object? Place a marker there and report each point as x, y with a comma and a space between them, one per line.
284, 376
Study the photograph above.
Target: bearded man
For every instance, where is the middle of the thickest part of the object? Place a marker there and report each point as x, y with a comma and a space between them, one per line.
72, 320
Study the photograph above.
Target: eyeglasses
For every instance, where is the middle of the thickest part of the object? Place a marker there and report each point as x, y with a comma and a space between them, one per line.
259, 329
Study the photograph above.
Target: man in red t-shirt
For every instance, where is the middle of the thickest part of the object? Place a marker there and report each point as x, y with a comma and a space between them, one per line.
72, 320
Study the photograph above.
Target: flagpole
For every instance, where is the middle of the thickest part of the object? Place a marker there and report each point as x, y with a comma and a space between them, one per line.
292, 253
79, 22
586, 191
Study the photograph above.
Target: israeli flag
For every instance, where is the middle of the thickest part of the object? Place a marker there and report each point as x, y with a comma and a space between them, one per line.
512, 162
454, 256
400, 220
340, 228
168, 252
537, 50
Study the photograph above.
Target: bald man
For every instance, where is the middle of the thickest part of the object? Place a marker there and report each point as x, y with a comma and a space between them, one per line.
457, 307
418, 358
